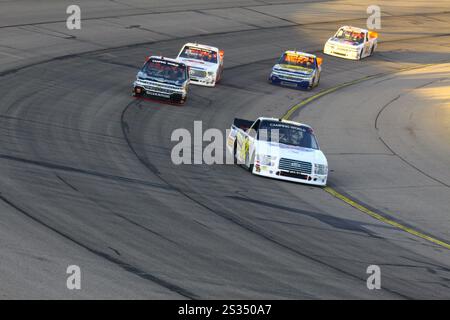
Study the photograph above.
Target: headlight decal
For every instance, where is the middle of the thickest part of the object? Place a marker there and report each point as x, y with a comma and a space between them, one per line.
320, 169
266, 160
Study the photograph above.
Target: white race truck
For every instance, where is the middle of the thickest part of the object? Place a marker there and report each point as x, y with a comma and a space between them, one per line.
279, 149
352, 43
205, 63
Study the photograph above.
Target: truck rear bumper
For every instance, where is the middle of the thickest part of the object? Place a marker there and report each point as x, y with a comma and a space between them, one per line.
202, 82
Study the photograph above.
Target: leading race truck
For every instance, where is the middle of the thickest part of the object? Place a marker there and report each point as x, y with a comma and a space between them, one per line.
352, 43
279, 149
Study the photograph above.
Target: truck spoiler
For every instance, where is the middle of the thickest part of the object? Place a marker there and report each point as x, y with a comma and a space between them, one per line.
242, 123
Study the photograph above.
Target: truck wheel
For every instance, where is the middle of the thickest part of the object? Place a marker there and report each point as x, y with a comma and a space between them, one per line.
219, 76
251, 164
312, 85
177, 99
372, 50
138, 91
361, 54
318, 80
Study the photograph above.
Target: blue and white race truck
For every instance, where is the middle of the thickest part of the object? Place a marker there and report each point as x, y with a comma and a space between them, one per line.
297, 69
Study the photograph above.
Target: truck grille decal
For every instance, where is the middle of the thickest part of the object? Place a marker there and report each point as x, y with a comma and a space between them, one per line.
197, 73
295, 166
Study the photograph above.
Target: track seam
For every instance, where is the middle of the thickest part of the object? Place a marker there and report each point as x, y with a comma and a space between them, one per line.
217, 8
133, 45
387, 145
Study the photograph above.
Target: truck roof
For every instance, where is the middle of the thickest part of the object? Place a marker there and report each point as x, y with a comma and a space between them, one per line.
355, 29
202, 46
165, 59
301, 53
285, 121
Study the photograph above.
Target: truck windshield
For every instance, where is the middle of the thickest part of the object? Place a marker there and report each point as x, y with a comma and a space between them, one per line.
289, 134
350, 35
166, 70
198, 53
297, 60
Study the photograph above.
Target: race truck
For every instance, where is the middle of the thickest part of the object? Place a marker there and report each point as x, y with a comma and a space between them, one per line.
297, 69
279, 149
352, 43
162, 77
205, 63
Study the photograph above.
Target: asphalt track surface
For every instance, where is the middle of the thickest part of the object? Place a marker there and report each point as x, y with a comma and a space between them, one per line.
87, 177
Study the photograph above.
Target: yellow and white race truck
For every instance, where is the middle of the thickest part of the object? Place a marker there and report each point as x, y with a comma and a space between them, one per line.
279, 149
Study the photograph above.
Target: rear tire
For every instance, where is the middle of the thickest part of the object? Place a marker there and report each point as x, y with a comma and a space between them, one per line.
251, 164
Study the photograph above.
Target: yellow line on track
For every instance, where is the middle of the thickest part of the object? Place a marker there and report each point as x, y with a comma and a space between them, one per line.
322, 93
379, 217
342, 197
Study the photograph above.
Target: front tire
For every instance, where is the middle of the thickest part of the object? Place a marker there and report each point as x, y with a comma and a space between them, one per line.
138, 92
361, 54
218, 77
318, 80
178, 99
313, 83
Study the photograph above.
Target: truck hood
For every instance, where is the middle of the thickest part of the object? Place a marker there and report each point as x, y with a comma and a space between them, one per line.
291, 152
343, 42
199, 65
306, 72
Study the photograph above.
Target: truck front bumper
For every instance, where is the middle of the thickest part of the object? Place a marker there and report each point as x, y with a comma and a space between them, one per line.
144, 89
275, 173
300, 83
341, 53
